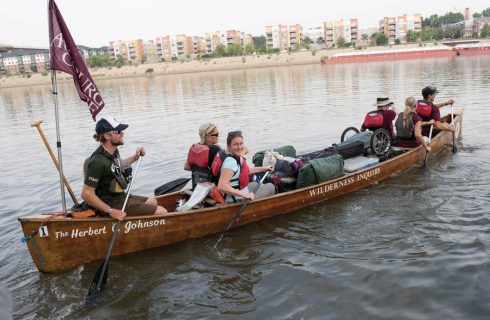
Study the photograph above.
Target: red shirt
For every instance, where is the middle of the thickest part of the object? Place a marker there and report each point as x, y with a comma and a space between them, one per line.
411, 143
435, 115
388, 117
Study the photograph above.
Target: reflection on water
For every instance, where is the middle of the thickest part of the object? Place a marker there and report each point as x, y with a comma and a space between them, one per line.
411, 247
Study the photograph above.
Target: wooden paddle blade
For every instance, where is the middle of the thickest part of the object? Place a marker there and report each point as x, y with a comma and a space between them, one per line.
171, 186
94, 290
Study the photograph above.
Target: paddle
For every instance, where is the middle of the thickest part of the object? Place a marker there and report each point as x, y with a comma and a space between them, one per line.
428, 144
243, 207
171, 186
455, 149
37, 124
100, 277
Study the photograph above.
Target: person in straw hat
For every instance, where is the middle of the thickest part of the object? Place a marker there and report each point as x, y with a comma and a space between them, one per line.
382, 117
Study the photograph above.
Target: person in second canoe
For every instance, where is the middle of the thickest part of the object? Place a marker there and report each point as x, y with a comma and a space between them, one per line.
428, 110
409, 127
235, 173
382, 117
201, 156
107, 175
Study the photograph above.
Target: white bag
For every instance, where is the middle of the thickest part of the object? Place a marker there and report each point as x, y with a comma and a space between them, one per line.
200, 192
270, 158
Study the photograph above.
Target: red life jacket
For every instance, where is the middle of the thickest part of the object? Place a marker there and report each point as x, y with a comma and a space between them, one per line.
373, 119
217, 163
198, 155
244, 177
423, 109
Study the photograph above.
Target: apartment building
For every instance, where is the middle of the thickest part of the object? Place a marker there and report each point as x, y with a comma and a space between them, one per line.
284, 37
118, 49
164, 48
472, 27
86, 52
397, 27
23, 60
347, 29
150, 51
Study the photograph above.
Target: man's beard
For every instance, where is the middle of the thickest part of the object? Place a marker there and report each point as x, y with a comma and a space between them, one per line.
116, 144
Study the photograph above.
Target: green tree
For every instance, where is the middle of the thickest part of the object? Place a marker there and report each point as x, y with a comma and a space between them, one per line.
450, 18
233, 50
340, 42
397, 41
485, 31
320, 40
259, 41
477, 15
381, 39
364, 36
220, 51
412, 36
249, 48
486, 12
307, 40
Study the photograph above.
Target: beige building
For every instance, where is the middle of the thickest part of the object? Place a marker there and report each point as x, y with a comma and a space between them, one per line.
119, 48
284, 37
397, 27
164, 48
347, 29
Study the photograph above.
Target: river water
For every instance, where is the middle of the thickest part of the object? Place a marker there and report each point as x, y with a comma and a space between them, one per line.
415, 246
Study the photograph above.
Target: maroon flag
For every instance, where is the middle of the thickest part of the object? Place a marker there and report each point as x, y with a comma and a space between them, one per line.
65, 57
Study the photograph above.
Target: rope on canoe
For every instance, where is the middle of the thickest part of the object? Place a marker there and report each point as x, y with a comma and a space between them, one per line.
30, 237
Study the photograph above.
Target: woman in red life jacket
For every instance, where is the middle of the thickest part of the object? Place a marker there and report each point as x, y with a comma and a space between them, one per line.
235, 173
409, 127
199, 152
382, 117
428, 110
201, 155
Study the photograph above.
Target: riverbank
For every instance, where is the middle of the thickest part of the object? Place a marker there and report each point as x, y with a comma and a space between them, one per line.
192, 66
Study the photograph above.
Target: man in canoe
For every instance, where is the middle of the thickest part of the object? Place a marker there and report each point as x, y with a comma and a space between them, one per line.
382, 117
428, 110
107, 175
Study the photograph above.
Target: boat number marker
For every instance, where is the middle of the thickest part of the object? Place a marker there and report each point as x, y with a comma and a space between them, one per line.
43, 231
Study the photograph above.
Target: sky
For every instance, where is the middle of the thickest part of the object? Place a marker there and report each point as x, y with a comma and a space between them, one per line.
93, 23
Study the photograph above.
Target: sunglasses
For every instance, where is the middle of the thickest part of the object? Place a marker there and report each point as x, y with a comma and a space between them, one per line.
234, 134
118, 132
214, 134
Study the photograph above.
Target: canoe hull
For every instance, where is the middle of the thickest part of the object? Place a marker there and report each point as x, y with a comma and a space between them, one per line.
64, 243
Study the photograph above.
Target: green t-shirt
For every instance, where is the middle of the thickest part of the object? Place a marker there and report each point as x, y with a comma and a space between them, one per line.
100, 175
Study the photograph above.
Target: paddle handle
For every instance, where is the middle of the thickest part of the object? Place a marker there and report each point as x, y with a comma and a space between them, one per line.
428, 144
37, 124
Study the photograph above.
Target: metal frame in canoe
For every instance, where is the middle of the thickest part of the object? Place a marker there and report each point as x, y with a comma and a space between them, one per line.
61, 243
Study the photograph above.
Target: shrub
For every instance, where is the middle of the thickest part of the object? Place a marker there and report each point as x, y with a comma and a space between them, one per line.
149, 70
44, 73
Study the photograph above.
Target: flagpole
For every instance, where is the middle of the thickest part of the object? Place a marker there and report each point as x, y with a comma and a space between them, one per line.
54, 86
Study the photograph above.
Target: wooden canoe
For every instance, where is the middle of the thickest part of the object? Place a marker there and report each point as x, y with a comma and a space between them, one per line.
59, 243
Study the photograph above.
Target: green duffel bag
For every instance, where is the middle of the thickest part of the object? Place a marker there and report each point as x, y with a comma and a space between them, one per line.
286, 151
320, 170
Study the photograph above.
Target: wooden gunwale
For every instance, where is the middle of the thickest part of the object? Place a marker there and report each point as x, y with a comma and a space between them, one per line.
72, 242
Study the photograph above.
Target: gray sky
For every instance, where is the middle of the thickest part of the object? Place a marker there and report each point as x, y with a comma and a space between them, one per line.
96, 22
